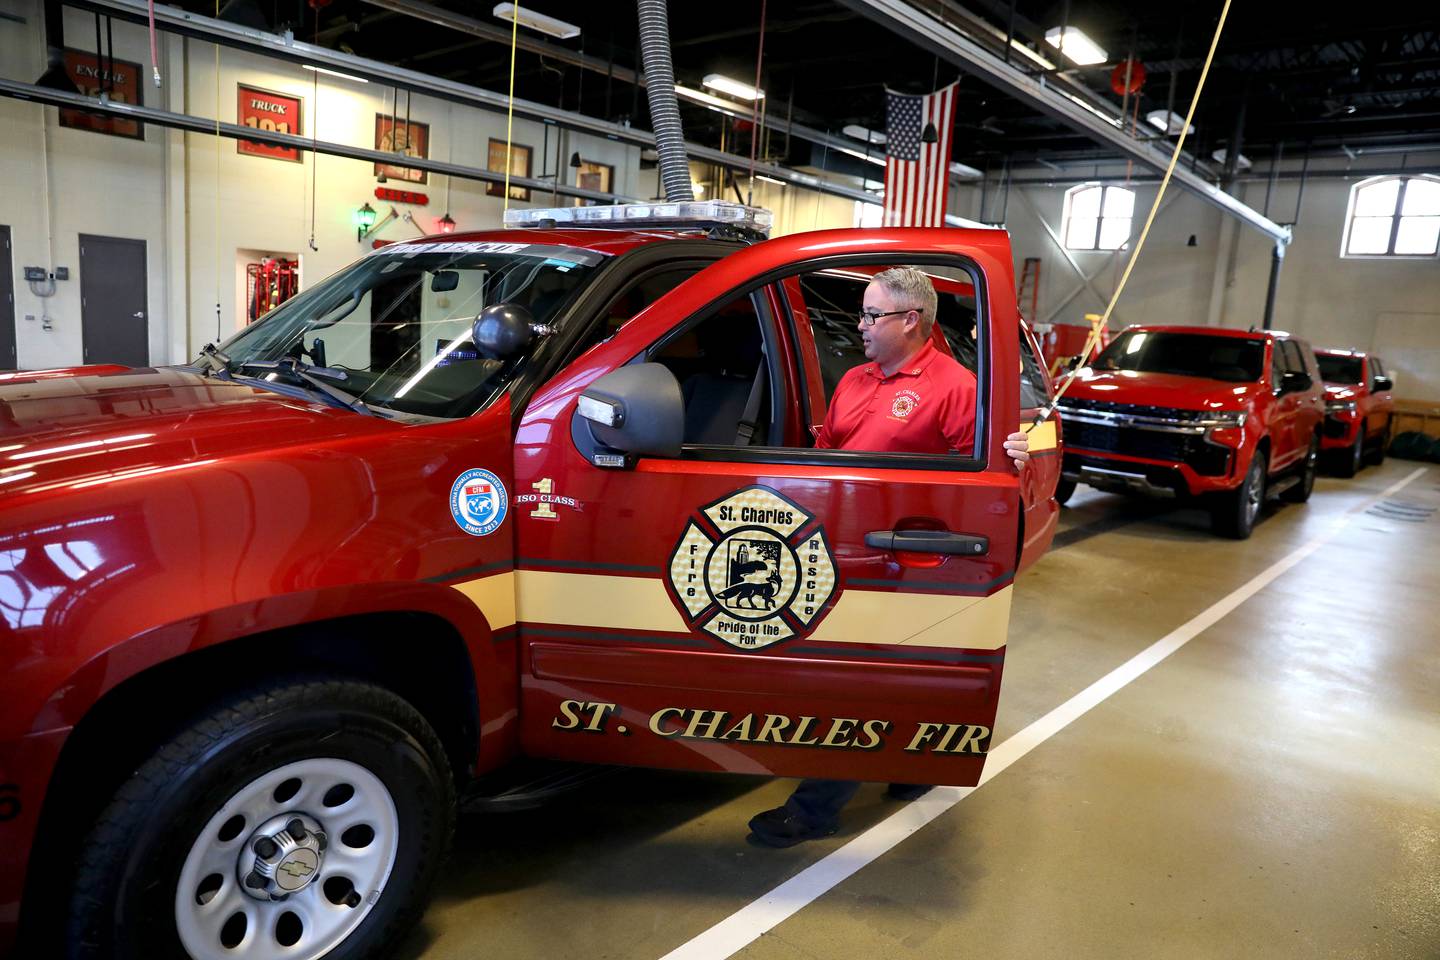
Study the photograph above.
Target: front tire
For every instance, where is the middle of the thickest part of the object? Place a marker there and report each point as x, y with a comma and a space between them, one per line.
308, 819
1064, 490
1377, 452
1308, 468
1352, 458
1233, 514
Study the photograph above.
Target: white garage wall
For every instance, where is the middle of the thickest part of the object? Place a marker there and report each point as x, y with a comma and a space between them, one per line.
94, 184
1390, 306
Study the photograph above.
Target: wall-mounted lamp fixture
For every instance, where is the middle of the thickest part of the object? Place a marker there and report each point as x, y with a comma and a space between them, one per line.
364, 220
445, 224
575, 159
1191, 242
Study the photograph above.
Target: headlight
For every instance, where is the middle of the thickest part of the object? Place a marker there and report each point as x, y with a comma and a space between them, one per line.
1225, 419
1340, 406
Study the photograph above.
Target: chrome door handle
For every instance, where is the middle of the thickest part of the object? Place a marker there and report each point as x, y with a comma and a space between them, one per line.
138, 314
929, 541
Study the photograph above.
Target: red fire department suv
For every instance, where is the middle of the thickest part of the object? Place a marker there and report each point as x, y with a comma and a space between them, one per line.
471, 503
1223, 415
1358, 407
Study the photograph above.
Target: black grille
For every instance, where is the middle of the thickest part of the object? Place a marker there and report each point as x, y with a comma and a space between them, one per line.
1335, 428
1134, 409
1204, 458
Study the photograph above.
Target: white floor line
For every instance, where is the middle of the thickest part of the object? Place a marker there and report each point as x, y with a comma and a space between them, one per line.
746, 925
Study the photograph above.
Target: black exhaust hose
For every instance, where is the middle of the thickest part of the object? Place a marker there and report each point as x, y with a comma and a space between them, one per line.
664, 110
55, 77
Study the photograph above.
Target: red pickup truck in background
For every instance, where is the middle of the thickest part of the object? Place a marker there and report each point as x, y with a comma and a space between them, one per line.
1358, 406
1223, 415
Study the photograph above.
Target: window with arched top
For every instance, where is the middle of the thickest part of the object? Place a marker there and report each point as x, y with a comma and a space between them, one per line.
1097, 217
1393, 217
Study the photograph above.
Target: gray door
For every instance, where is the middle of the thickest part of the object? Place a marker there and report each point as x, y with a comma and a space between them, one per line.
7, 302
113, 309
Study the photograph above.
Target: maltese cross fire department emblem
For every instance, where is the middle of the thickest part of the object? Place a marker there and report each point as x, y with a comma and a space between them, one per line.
753, 569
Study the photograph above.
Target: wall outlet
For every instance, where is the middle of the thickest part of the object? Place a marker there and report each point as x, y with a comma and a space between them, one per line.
62, 273
30, 317
36, 273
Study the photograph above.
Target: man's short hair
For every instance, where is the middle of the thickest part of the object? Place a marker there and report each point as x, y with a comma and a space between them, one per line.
914, 291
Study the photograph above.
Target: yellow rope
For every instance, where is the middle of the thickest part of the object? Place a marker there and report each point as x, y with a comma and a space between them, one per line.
510, 108
1095, 330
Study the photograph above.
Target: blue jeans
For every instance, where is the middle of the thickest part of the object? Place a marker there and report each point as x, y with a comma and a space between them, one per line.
818, 802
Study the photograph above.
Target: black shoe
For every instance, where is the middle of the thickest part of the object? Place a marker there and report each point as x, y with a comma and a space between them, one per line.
907, 791
781, 828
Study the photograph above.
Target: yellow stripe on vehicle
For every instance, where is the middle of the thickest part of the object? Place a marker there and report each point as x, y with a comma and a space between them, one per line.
918, 620
495, 596
642, 603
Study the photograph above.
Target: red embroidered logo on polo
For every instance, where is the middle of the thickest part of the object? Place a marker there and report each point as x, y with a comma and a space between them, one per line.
904, 404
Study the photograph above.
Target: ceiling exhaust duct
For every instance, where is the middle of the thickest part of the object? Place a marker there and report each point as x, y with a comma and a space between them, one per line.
664, 109
55, 76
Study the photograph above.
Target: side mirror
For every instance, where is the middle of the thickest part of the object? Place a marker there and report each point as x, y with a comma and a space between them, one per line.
1294, 382
504, 330
636, 409
1381, 384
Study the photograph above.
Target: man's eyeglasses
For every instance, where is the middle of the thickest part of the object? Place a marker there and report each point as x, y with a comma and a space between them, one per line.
868, 319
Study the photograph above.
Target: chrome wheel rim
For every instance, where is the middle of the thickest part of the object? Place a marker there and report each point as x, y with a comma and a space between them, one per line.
290, 865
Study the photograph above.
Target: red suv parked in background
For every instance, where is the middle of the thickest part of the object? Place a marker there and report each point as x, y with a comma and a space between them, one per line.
1358, 405
1197, 412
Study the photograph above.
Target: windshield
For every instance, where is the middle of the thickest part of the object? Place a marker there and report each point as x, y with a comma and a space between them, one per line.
397, 324
1185, 354
1338, 369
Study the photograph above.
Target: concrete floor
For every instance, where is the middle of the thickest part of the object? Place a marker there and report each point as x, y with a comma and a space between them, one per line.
1272, 789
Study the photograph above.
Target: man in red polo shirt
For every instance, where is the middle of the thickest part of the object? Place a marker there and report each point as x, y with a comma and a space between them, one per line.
910, 398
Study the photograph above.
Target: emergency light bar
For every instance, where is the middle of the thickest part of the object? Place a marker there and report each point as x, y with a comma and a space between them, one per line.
697, 214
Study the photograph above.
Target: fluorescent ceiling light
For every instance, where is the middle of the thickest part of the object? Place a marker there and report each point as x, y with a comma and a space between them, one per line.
962, 170
1242, 162
536, 21
700, 96
1078, 47
761, 176
718, 81
334, 73
1168, 121
869, 158
864, 133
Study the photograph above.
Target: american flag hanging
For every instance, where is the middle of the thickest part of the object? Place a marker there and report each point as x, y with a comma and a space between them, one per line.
915, 171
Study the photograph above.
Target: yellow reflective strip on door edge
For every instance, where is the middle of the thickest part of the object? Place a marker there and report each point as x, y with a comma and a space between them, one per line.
1042, 436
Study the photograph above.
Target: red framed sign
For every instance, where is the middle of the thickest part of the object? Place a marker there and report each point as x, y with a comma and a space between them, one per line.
271, 112
92, 74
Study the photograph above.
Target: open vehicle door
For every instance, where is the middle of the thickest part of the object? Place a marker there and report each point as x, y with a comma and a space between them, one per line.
733, 599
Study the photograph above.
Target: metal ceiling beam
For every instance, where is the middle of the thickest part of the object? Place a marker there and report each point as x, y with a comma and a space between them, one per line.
204, 125
175, 20
928, 32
